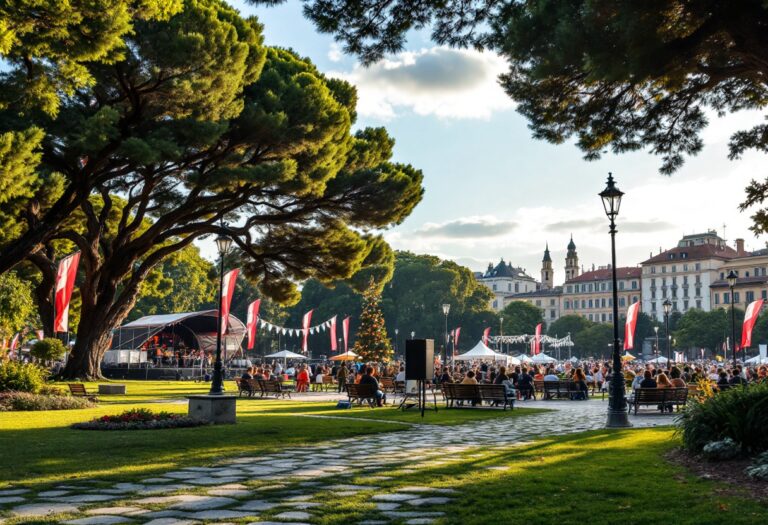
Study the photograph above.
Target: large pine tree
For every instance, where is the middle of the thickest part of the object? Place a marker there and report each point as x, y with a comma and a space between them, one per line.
372, 343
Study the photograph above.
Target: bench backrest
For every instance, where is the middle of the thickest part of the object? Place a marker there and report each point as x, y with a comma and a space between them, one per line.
560, 386
77, 389
327, 380
387, 382
355, 390
493, 392
659, 395
270, 385
461, 391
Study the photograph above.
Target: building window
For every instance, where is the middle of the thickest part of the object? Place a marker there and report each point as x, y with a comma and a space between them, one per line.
551, 302
494, 289
764, 294
653, 294
726, 298
610, 317
653, 307
495, 304
603, 317
621, 285
685, 267
538, 303
569, 289
750, 296
517, 287
735, 297
634, 285
674, 306
551, 314
653, 269
590, 317
583, 304
674, 268
717, 298
698, 279
685, 292
621, 302
635, 298
591, 304
685, 305
697, 267
663, 269
685, 279
722, 275
698, 304
509, 287
746, 273
602, 303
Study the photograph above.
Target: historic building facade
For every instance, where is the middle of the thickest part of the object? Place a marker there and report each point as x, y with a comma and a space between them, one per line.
590, 294
505, 280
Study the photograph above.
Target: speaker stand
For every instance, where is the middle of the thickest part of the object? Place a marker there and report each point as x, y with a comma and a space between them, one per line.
421, 399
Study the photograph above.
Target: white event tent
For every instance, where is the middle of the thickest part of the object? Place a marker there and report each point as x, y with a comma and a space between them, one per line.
543, 358
479, 353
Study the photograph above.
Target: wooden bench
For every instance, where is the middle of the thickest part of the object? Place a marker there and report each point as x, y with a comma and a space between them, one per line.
387, 384
247, 386
456, 393
676, 397
78, 390
270, 387
538, 388
559, 389
362, 393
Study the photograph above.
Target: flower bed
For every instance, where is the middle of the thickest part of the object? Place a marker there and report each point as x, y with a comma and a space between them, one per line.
27, 401
139, 419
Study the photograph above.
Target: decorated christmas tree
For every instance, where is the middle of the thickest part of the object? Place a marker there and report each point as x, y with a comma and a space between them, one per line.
372, 343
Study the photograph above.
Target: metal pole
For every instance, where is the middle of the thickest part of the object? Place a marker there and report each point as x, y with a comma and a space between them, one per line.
445, 348
217, 383
617, 404
666, 323
733, 327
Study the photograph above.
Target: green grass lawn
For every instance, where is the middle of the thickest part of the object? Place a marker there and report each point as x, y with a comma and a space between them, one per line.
45, 449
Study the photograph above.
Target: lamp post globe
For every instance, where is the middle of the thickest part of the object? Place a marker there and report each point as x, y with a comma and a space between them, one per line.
617, 404
223, 244
732, 278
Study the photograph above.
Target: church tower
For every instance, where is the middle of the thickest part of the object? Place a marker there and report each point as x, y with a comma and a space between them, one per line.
571, 261
547, 278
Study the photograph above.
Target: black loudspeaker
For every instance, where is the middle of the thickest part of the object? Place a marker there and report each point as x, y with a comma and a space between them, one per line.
419, 359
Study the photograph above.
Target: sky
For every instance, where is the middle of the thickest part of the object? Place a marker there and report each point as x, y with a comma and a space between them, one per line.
491, 190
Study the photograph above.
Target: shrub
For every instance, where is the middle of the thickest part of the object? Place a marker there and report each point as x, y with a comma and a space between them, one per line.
21, 377
28, 401
139, 419
740, 414
721, 450
49, 349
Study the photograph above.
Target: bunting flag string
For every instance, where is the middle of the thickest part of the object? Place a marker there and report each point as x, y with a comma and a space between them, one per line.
546, 339
269, 327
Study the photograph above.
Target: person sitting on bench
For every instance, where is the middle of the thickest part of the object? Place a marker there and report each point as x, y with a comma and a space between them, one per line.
368, 379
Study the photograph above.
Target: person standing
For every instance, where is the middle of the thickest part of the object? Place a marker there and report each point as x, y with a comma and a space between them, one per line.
341, 377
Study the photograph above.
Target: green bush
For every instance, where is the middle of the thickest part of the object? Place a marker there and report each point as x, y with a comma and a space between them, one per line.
740, 414
28, 401
20, 377
49, 349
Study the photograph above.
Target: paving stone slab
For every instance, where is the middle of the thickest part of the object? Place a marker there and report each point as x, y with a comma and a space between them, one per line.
52, 493
396, 514
439, 500
99, 520
275, 523
85, 498
171, 521
43, 509
302, 505
7, 500
202, 503
214, 481
159, 500
152, 481
437, 490
294, 515
219, 515
387, 506
420, 521
13, 492
257, 505
395, 497
232, 493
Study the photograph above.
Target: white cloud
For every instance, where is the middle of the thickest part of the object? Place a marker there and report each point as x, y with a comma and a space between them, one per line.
439, 81
467, 228
334, 53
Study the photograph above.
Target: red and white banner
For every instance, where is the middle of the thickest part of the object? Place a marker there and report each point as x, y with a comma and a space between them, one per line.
750, 317
334, 346
65, 283
456, 333
305, 328
253, 318
15, 341
40, 335
486, 334
537, 340
345, 330
629, 326
227, 291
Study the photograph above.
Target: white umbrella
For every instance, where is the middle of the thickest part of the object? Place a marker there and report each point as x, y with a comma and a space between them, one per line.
514, 361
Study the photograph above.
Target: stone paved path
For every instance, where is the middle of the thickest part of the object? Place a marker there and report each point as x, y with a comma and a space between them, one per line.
289, 487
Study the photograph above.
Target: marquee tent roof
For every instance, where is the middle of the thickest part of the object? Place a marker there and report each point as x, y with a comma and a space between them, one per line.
543, 358
197, 329
480, 351
286, 354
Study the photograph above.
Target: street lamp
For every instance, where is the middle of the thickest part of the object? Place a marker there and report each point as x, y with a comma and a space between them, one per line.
446, 310
413, 335
617, 404
223, 243
732, 282
397, 331
667, 308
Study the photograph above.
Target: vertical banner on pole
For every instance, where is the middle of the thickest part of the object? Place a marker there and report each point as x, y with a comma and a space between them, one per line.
15, 344
750, 317
334, 346
65, 283
537, 345
629, 326
253, 317
345, 330
305, 329
227, 291
486, 334
456, 333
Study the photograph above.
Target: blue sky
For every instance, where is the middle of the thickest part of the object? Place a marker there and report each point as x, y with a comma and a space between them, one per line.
491, 190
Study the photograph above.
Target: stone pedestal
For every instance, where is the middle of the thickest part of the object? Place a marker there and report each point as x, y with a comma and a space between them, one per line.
213, 409
112, 389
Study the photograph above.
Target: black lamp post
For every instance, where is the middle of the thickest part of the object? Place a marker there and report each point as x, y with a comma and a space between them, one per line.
617, 404
223, 244
397, 331
732, 282
667, 308
446, 311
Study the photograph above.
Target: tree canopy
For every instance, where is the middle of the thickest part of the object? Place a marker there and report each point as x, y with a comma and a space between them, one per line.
16, 305
618, 75
197, 129
521, 317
